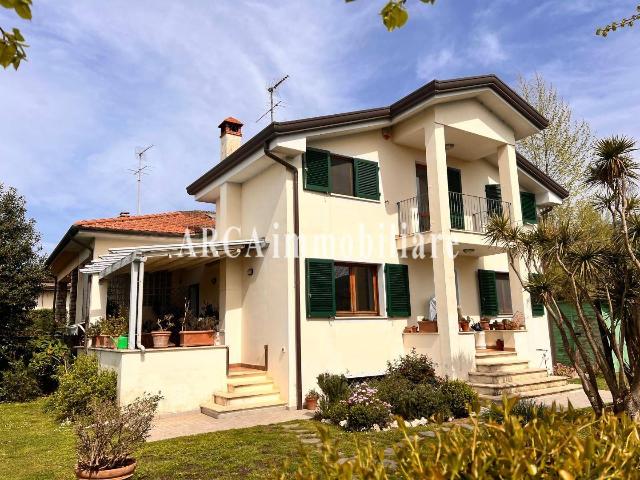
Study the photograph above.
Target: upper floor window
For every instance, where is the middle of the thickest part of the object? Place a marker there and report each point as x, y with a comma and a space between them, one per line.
326, 172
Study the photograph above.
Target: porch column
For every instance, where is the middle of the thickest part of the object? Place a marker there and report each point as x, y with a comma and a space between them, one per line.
73, 296
97, 298
442, 248
135, 300
231, 306
510, 188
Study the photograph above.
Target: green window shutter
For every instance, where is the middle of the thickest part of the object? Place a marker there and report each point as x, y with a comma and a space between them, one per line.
366, 179
529, 211
316, 171
397, 287
321, 288
537, 306
488, 293
494, 199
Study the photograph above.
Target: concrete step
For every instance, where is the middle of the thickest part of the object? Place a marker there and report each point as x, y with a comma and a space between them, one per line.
501, 365
214, 410
570, 387
250, 385
238, 399
497, 389
482, 354
242, 372
500, 377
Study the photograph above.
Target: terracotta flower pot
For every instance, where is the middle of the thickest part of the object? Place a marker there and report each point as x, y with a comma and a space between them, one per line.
465, 327
120, 473
160, 339
312, 403
102, 341
484, 325
196, 338
147, 340
428, 326
500, 344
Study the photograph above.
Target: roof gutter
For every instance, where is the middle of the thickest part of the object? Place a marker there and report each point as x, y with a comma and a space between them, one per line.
296, 269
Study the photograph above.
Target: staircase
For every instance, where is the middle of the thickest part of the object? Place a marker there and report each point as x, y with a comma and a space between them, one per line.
247, 389
502, 372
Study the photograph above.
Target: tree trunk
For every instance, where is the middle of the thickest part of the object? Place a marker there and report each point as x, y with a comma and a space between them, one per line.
632, 402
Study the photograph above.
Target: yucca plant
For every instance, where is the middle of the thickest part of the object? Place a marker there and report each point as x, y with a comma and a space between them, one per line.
590, 258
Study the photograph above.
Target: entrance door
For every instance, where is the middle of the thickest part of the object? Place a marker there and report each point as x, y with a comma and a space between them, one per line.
454, 180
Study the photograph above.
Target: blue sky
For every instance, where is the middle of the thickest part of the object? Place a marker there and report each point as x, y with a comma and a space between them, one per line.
106, 76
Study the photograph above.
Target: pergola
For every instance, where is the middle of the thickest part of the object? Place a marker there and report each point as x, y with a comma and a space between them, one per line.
159, 257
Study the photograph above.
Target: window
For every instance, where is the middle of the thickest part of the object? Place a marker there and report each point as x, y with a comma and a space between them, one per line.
157, 291
356, 287
504, 294
331, 173
342, 175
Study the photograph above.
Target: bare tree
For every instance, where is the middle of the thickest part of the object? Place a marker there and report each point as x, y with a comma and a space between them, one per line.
563, 148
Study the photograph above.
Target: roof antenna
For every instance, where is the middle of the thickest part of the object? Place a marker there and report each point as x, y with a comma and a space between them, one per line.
138, 172
273, 106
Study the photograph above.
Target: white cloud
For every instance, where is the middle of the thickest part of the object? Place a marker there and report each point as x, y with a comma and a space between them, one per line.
487, 49
434, 64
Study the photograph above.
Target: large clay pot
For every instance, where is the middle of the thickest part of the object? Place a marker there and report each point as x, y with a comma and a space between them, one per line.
465, 327
102, 341
120, 473
196, 338
160, 339
428, 326
312, 403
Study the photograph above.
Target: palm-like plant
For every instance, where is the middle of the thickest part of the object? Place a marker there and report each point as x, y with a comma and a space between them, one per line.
590, 261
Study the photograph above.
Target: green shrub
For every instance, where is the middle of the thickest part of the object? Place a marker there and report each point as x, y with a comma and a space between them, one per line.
18, 384
78, 385
334, 387
42, 322
415, 368
559, 445
411, 401
459, 396
47, 356
366, 410
334, 412
525, 409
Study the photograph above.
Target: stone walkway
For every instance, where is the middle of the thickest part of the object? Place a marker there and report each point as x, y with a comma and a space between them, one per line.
194, 423
577, 398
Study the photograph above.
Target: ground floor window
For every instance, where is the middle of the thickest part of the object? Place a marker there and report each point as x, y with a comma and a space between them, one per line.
356, 289
504, 294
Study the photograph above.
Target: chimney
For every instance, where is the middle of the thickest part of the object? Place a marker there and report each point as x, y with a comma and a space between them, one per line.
124, 214
230, 136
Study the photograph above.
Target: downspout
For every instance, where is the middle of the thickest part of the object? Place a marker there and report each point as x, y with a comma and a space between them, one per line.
296, 269
139, 345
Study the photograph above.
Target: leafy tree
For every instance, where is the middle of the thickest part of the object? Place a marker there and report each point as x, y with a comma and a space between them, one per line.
591, 263
563, 148
12, 44
625, 22
395, 14
21, 271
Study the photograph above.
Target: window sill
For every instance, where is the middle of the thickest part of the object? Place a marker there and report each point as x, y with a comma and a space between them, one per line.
349, 197
355, 317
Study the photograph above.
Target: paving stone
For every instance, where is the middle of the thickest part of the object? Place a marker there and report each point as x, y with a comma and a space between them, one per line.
428, 433
311, 441
467, 426
390, 463
292, 426
307, 435
389, 451
445, 429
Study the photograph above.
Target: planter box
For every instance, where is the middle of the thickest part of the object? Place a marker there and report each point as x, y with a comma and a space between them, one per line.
147, 340
428, 326
102, 341
196, 338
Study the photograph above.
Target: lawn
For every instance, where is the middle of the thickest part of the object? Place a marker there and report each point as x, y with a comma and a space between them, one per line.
602, 384
33, 446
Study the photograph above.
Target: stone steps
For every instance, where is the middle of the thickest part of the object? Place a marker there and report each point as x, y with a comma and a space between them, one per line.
501, 377
247, 389
569, 387
517, 387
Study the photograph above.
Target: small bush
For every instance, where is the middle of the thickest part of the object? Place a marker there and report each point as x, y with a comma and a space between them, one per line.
525, 409
18, 384
334, 387
107, 436
366, 410
46, 359
415, 368
78, 385
459, 396
411, 401
42, 322
334, 412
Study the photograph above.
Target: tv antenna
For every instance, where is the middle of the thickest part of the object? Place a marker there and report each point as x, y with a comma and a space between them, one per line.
138, 172
273, 106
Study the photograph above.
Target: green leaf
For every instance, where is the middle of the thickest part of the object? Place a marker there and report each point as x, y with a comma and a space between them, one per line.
18, 35
23, 11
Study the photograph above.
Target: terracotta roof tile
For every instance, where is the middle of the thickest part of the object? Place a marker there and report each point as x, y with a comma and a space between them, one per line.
173, 223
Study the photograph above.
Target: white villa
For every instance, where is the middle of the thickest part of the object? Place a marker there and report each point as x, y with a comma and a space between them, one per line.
355, 194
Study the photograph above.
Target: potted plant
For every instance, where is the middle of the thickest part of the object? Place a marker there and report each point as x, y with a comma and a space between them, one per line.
162, 333
198, 331
464, 325
485, 323
94, 332
116, 328
311, 400
428, 326
107, 436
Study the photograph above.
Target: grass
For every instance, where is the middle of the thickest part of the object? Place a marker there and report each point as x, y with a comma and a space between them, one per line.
34, 447
602, 384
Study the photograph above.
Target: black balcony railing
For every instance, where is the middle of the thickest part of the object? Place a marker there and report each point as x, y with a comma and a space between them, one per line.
468, 212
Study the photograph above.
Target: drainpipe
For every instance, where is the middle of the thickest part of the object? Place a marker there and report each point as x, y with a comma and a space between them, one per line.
139, 309
296, 267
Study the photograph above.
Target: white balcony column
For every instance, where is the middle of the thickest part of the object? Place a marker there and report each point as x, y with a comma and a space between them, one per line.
136, 289
231, 272
97, 299
510, 188
442, 248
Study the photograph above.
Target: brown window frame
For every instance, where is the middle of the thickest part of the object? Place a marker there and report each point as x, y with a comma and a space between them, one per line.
343, 158
352, 290
502, 276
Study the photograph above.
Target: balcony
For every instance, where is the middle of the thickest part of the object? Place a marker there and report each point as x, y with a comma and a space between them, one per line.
468, 213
